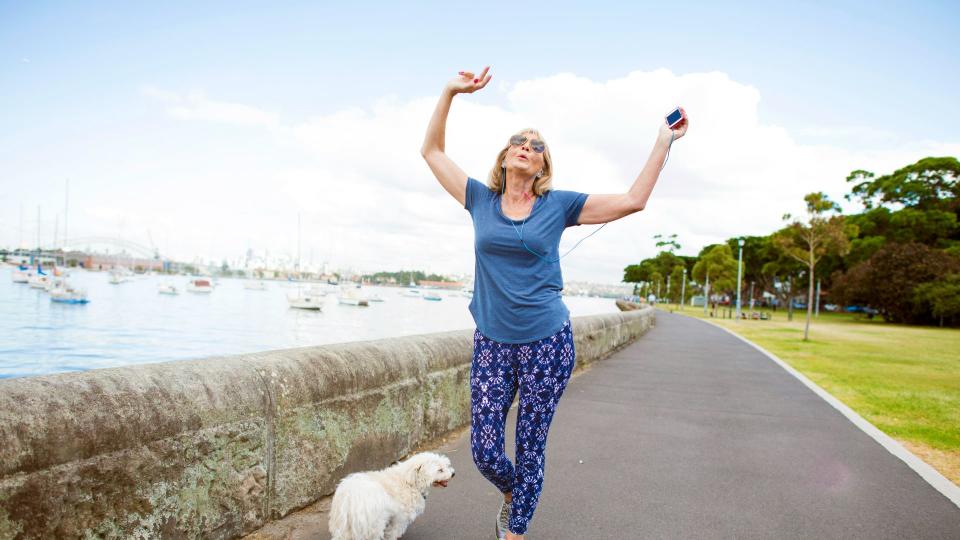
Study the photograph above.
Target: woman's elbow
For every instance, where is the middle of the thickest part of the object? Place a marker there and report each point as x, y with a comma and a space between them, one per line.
636, 204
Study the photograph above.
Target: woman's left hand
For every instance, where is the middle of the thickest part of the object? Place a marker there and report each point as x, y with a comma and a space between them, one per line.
678, 131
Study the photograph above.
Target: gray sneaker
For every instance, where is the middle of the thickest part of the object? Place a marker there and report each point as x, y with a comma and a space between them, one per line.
503, 520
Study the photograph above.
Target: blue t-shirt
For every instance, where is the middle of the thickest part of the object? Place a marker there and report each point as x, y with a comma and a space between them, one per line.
516, 295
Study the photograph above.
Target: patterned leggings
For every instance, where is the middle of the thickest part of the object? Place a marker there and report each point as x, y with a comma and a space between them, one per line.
541, 370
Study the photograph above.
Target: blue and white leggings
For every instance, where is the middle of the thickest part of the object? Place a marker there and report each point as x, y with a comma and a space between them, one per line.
540, 369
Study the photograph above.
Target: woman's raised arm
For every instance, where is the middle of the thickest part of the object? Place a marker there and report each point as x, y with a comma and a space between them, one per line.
607, 208
451, 177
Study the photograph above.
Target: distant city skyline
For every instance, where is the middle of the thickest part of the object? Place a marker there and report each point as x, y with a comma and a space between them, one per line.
205, 129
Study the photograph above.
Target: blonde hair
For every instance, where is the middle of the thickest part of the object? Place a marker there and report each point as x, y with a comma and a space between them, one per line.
540, 185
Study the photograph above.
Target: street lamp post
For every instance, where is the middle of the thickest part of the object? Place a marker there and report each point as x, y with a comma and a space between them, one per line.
683, 289
739, 273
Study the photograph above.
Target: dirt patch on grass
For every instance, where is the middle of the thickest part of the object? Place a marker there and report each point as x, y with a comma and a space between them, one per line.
946, 462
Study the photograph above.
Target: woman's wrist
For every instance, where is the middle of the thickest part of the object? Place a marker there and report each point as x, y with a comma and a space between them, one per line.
664, 138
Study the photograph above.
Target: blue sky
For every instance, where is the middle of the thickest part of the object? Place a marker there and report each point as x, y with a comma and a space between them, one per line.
889, 66
856, 76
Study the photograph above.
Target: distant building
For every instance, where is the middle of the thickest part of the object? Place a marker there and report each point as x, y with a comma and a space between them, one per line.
106, 262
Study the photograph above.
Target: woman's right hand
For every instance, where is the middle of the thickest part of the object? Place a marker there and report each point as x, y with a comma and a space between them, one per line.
467, 83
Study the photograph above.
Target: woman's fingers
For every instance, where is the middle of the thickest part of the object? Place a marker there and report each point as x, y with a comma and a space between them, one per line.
473, 82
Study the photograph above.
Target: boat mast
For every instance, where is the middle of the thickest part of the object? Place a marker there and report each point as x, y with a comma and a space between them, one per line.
66, 215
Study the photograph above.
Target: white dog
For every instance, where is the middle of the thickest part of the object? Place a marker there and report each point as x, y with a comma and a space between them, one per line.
380, 505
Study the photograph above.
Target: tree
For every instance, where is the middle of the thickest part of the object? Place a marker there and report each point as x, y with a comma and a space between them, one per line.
931, 183
663, 265
676, 283
669, 242
809, 240
779, 273
943, 297
656, 282
888, 281
717, 264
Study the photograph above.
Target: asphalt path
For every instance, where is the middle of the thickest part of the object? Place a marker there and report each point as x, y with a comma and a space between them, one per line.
691, 433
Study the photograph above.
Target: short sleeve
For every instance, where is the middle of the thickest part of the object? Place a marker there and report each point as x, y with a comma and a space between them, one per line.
571, 203
476, 192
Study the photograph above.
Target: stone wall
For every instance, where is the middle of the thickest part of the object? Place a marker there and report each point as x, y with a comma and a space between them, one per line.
215, 448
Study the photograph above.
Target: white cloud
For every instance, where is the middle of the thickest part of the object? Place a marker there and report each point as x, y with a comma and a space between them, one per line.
196, 106
368, 200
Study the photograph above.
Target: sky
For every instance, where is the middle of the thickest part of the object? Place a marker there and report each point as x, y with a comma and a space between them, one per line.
206, 130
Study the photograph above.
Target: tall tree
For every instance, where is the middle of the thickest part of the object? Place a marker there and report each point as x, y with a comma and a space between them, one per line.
676, 283
810, 239
942, 296
779, 273
668, 242
888, 281
716, 264
931, 183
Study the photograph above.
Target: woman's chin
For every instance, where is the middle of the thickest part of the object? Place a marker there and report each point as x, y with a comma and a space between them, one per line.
522, 168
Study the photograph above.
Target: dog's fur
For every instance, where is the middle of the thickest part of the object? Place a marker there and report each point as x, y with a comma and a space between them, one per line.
380, 505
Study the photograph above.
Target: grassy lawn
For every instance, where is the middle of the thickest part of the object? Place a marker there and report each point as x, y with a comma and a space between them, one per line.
903, 379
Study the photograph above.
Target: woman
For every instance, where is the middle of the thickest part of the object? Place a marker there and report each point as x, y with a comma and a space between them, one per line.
523, 340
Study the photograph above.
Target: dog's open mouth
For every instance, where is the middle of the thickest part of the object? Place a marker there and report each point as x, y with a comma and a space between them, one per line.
440, 483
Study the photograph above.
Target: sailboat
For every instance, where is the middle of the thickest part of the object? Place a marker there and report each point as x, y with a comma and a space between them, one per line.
68, 294
39, 280
349, 296
412, 291
304, 299
22, 274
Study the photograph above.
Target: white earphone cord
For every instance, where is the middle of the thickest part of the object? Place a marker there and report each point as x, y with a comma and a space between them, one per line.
524, 222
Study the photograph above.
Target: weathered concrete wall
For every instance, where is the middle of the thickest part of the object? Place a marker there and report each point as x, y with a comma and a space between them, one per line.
215, 448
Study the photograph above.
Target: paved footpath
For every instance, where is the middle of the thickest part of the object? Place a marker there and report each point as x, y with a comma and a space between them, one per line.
691, 433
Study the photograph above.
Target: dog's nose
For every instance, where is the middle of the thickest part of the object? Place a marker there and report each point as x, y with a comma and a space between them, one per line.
454, 473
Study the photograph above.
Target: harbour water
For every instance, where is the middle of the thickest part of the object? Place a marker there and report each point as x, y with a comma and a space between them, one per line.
131, 323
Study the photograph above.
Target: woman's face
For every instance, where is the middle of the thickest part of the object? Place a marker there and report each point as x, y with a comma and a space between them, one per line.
522, 159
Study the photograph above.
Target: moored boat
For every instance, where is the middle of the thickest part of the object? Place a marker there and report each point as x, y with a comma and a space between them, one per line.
352, 297
68, 294
22, 274
200, 285
257, 285
306, 299
167, 288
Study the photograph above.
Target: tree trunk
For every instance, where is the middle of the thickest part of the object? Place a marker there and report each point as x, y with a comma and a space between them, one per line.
806, 328
706, 295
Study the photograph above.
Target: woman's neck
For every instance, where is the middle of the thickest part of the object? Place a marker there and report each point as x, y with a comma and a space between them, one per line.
519, 192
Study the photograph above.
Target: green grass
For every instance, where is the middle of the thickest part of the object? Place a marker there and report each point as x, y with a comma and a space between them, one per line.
903, 379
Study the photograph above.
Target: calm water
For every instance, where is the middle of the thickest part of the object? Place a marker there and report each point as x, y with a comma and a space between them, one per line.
131, 323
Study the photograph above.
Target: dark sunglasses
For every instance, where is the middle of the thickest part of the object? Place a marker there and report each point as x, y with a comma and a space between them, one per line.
537, 145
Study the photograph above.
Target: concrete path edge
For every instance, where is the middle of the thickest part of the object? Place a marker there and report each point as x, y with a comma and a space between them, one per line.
933, 477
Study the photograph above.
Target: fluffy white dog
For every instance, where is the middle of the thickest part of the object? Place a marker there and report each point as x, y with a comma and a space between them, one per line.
380, 505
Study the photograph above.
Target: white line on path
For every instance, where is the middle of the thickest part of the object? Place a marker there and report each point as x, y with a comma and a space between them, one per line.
928, 473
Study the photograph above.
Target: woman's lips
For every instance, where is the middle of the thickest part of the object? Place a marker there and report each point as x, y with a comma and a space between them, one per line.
523, 158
